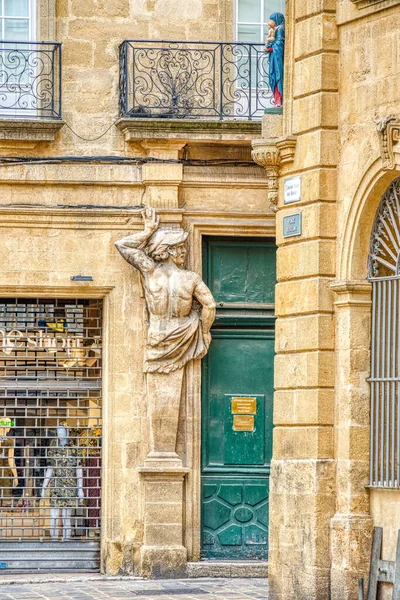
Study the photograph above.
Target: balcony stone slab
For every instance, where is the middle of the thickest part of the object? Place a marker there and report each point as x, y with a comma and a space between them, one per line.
194, 131
27, 133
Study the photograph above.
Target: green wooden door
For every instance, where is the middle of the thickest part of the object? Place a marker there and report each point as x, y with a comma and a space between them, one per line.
237, 397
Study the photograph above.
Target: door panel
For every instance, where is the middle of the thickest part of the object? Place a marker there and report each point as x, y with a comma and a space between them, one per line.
239, 364
235, 517
237, 399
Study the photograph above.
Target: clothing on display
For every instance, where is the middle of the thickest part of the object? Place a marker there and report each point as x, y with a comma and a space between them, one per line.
64, 484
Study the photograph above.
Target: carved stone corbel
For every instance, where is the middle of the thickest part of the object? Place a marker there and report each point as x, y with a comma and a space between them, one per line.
389, 133
272, 154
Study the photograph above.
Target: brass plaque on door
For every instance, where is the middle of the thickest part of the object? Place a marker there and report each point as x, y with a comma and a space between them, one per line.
243, 423
244, 406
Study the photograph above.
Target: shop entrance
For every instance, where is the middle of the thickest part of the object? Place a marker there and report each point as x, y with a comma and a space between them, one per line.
237, 399
50, 434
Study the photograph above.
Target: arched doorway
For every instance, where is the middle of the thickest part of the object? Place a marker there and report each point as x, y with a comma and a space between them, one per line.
384, 274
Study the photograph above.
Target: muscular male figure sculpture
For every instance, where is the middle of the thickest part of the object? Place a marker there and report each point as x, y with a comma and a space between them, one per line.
176, 331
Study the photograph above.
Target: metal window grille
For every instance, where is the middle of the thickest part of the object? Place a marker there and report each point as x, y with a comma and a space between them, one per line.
384, 274
50, 384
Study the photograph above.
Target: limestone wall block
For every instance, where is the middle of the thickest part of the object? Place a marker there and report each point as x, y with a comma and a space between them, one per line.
164, 512
316, 73
353, 442
62, 8
317, 110
354, 329
169, 490
303, 297
295, 477
306, 259
304, 370
353, 403
308, 8
316, 148
311, 332
350, 553
99, 8
303, 442
316, 34
304, 407
163, 534
318, 186
233, 198
352, 477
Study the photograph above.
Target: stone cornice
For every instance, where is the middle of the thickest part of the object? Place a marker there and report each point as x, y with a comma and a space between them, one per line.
352, 286
198, 130
55, 291
352, 293
80, 217
29, 130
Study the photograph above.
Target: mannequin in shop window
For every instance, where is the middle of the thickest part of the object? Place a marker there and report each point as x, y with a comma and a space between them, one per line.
64, 477
8, 470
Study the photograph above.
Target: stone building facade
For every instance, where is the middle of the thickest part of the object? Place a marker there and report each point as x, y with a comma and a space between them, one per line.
74, 182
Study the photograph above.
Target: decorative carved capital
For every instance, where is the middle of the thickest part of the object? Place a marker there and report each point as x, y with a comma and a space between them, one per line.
265, 154
389, 133
272, 154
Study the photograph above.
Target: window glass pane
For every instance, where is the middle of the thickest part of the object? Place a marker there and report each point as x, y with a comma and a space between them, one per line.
249, 11
16, 8
16, 29
271, 6
249, 33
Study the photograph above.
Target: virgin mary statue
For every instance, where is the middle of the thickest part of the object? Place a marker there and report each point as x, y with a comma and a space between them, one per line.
276, 47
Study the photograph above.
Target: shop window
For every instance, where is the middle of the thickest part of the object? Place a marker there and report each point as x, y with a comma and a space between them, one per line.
50, 419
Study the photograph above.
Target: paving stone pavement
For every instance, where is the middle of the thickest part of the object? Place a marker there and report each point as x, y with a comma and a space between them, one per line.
134, 589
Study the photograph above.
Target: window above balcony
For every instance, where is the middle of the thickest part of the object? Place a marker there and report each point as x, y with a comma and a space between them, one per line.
30, 76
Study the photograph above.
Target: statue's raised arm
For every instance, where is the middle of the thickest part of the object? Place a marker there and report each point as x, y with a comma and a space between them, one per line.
132, 246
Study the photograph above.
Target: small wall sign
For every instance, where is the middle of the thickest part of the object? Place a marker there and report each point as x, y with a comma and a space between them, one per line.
292, 189
244, 406
243, 423
292, 225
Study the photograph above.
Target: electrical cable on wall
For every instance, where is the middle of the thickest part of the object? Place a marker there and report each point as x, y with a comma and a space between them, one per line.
20, 160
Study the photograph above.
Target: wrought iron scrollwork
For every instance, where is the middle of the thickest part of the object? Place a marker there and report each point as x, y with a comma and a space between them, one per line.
193, 79
30, 79
384, 255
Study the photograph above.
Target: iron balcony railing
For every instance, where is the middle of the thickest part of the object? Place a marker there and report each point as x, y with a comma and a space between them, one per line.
30, 80
165, 79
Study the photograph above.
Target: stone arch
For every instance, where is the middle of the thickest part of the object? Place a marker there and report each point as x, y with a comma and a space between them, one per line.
355, 242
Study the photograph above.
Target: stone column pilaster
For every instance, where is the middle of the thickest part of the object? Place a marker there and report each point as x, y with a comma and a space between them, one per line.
351, 526
162, 180
303, 469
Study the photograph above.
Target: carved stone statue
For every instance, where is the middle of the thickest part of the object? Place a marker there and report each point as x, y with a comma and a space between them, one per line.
177, 332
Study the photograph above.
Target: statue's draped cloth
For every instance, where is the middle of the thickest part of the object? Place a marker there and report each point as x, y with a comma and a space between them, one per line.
173, 342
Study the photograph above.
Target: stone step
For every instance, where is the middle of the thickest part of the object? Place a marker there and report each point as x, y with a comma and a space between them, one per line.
226, 568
